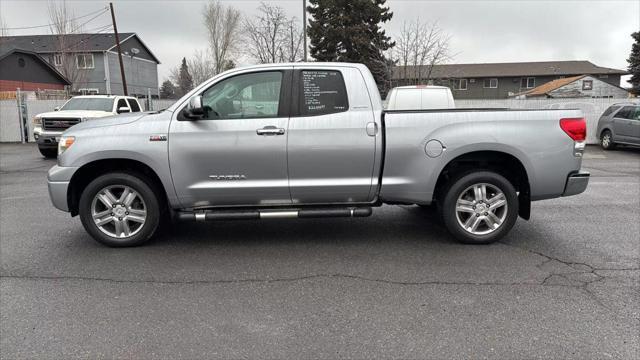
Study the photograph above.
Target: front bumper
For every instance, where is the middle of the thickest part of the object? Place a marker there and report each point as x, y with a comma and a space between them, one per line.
58, 180
576, 183
47, 139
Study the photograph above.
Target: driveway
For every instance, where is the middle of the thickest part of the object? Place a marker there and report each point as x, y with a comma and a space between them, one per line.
563, 285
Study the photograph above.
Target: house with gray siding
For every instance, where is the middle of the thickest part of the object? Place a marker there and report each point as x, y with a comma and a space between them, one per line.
90, 61
583, 86
500, 80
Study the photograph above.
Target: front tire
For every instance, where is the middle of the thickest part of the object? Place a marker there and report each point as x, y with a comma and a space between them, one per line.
48, 152
120, 209
606, 140
480, 207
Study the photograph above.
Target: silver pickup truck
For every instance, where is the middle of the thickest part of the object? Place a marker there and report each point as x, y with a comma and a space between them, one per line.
312, 140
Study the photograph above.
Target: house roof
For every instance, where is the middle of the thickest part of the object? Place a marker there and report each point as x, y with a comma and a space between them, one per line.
8, 50
550, 86
96, 42
542, 68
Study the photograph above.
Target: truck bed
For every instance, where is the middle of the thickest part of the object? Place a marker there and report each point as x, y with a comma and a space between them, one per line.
533, 137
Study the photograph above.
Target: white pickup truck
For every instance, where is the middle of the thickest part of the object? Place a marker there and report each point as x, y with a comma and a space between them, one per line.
47, 127
312, 140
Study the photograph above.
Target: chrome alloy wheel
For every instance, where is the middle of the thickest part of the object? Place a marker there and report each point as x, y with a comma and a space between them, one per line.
481, 209
119, 211
606, 140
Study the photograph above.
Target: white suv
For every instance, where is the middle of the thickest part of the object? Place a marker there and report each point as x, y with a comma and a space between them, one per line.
49, 126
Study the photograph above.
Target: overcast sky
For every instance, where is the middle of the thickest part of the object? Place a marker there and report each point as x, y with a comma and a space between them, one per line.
481, 31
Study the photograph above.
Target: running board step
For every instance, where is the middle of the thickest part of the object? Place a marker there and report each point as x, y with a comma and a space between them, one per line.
208, 215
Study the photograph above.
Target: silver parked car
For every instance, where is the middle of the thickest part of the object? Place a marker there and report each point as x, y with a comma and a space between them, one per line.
619, 124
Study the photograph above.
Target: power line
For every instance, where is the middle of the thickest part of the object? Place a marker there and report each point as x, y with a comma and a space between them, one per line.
50, 24
79, 27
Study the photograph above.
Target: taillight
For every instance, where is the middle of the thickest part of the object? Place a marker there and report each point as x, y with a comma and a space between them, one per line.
576, 128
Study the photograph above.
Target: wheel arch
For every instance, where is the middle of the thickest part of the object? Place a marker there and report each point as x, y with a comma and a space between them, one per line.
605, 128
504, 163
91, 170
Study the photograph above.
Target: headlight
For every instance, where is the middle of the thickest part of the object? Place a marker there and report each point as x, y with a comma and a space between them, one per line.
37, 120
65, 143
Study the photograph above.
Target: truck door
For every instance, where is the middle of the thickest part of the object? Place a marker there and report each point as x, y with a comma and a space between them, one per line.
623, 123
331, 138
236, 155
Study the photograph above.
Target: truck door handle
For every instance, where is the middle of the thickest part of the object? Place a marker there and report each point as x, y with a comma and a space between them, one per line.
270, 131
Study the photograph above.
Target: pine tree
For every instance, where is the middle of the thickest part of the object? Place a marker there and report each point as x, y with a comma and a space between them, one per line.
185, 82
167, 90
634, 63
350, 31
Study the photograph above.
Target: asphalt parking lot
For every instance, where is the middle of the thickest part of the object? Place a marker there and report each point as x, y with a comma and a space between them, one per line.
563, 285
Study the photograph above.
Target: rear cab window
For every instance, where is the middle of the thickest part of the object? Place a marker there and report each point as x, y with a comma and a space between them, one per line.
322, 92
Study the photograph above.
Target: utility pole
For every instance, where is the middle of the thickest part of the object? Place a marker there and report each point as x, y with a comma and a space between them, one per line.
115, 30
304, 27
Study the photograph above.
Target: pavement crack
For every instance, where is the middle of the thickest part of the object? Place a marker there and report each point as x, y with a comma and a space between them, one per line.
276, 280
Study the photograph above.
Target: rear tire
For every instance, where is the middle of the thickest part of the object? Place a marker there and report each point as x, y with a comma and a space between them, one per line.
479, 207
120, 209
606, 140
48, 152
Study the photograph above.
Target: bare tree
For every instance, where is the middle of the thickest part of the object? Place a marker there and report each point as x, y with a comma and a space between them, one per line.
273, 37
223, 25
200, 67
421, 45
63, 25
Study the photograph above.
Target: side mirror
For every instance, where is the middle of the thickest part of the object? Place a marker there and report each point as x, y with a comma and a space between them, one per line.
123, 109
56, 108
194, 110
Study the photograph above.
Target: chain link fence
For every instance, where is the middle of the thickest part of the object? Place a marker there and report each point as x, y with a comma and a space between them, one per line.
13, 113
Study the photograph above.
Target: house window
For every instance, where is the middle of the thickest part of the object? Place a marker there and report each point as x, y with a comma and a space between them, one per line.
587, 84
57, 59
490, 83
92, 91
84, 61
528, 82
459, 84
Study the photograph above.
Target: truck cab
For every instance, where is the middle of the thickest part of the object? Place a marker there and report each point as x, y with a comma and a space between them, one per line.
50, 125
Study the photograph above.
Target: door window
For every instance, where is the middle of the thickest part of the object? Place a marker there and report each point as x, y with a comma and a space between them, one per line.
255, 95
625, 113
322, 92
610, 110
121, 103
133, 104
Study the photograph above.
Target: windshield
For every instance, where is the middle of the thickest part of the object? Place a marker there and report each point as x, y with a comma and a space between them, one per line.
89, 104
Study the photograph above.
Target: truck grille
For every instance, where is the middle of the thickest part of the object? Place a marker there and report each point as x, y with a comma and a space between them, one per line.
59, 123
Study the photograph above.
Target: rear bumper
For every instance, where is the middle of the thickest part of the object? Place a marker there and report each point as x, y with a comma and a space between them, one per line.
576, 183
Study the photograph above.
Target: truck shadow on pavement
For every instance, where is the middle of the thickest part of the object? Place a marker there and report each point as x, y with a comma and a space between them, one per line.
398, 223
